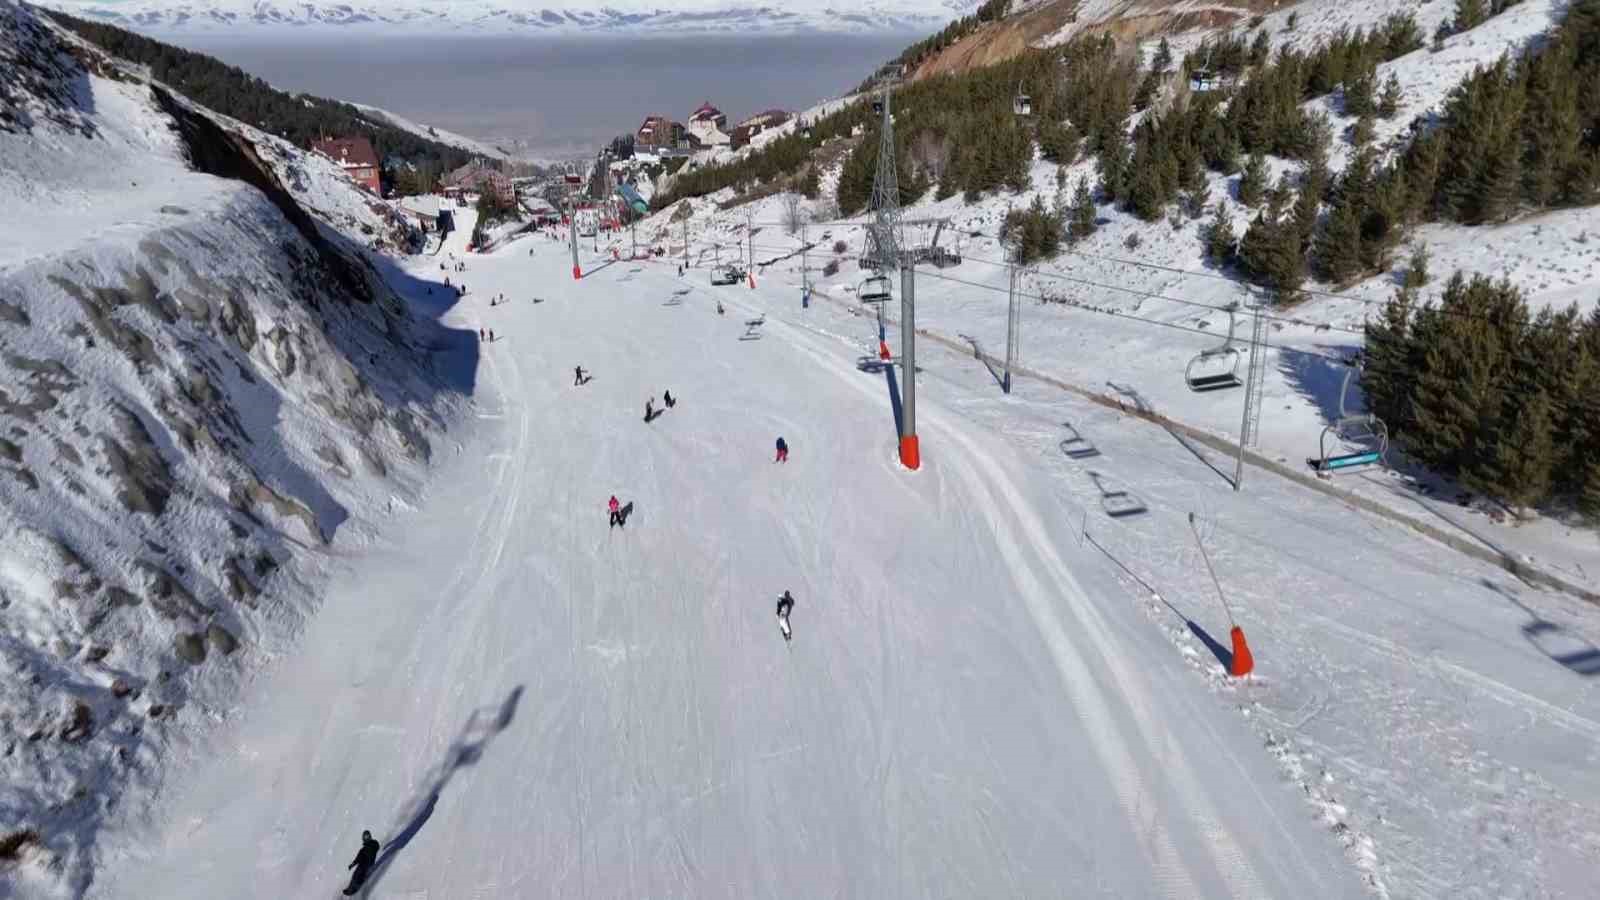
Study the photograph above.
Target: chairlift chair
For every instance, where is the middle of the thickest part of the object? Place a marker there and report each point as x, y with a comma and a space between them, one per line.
1364, 437
1216, 369
1022, 105
874, 289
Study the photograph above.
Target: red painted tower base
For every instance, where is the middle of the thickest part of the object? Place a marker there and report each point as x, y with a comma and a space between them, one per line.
1243, 662
910, 453
577, 273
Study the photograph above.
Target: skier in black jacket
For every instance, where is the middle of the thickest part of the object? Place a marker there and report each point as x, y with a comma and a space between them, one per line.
363, 863
785, 605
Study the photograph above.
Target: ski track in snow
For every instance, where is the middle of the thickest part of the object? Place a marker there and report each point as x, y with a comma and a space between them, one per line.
960, 710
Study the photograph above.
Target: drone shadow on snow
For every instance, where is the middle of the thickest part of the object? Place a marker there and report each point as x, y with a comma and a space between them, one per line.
467, 749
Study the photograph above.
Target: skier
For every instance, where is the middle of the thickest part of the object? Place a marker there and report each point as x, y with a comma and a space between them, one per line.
783, 451
785, 604
577, 377
615, 509
719, 307
480, 335
650, 409
362, 863
667, 399
491, 335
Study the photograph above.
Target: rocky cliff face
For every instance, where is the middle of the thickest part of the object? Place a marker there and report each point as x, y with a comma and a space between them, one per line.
205, 391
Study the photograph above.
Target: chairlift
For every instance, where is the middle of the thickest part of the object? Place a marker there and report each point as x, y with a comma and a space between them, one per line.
1216, 369
1364, 437
1203, 80
1021, 104
874, 289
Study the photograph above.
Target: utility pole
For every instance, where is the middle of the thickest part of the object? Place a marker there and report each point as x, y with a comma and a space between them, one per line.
910, 452
1013, 326
750, 240
805, 271
686, 243
572, 233
1255, 373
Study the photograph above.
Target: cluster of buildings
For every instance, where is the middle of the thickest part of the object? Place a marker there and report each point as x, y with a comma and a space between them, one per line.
707, 129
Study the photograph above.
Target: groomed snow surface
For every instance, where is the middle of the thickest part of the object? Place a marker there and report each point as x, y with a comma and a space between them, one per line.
980, 699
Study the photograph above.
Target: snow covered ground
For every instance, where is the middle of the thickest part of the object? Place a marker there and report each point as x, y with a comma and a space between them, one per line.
996, 686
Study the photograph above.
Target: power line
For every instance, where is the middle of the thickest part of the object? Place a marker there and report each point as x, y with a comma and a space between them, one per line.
1498, 390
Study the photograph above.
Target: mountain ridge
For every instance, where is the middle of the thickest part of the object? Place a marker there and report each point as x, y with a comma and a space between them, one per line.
518, 16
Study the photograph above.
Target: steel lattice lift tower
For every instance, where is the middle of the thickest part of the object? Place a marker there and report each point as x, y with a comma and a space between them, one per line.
885, 253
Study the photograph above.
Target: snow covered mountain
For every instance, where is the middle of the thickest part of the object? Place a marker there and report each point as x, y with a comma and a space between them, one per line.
526, 16
207, 389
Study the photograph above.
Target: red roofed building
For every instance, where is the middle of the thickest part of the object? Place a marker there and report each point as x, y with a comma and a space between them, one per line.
356, 157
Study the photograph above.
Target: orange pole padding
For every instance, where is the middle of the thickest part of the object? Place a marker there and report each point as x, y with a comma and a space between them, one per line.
577, 273
1243, 662
883, 352
911, 457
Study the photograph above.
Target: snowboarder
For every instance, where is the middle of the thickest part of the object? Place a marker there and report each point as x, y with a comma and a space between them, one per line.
785, 604
783, 451
615, 509
362, 863
577, 379
667, 399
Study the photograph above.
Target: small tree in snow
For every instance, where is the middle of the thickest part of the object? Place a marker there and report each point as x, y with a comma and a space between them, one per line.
1082, 214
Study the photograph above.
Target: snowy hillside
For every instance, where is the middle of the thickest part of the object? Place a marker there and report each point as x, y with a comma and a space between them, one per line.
530, 16
435, 134
208, 395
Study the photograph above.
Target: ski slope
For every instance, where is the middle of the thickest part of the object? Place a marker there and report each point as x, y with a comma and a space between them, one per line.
980, 701
520, 702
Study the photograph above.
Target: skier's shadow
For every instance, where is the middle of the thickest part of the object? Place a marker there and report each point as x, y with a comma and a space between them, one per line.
483, 725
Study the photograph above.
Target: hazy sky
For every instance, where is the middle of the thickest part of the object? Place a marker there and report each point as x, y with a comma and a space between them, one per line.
561, 95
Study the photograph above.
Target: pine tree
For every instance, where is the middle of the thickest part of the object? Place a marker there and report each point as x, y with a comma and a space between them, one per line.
1221, 244
1389, 100
1469, 14
1146, 94
1303, 215
1516, 467
1163, 59
1416, 273
1270, 251
1338, 246
1363, 131
1082, 214
1260, 48
1358, 94
1500, 189
1196, 200
1387, 376
1253, 180
1146, 196
1114, 168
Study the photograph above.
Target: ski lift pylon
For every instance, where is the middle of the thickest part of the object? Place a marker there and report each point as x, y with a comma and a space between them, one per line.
1218, 368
